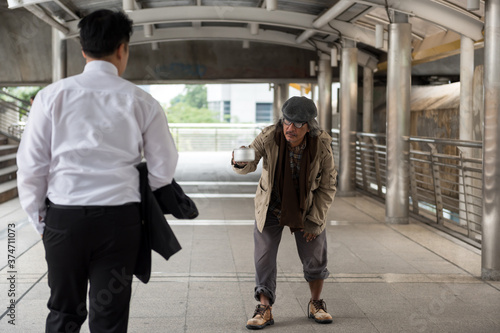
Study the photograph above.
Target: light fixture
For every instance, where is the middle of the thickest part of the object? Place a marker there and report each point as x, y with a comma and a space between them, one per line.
333, 57
472, 4
254, 28
148, 30
379, 36
271, 4
128, 5
246, 44
312, 68
155, 46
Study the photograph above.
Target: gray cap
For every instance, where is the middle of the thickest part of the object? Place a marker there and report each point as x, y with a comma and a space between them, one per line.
299, 109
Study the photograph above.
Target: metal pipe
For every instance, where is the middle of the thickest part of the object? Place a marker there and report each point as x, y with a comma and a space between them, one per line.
280, 97
398, 123
466, 127
325, 94
334, 11
379, 36
466, 87
305, 36
367, 100
472, 5
348, 110
490, 259
42, 15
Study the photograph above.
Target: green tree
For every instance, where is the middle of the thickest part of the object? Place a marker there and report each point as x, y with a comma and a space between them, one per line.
184, 113
191, 106
23, 93
194, 95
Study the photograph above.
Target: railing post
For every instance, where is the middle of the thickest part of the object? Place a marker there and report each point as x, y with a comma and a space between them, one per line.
216, 140
177, 137
465, 187
363, 162
413, 186
436, 179
377, 167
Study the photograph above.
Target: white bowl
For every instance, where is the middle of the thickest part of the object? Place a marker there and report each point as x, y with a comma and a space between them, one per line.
244, 155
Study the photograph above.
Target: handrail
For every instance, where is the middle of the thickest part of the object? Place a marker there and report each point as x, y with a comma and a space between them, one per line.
14, 97
12, 116
445, 184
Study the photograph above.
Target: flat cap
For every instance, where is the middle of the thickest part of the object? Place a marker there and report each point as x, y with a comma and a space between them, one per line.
299, 109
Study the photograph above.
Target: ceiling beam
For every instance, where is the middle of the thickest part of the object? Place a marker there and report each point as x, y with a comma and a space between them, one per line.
222, 33
462, 22
246, 15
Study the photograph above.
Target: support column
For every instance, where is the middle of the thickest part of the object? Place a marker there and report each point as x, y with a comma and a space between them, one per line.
348, 110
490, 259
367, 100
467, 125
325, 94
466, 87
280, 97
59, 50
398, 121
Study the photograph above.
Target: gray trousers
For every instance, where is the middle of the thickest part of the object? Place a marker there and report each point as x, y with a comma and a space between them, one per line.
313, 256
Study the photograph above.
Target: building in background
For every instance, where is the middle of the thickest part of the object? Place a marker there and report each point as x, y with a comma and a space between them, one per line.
241, 103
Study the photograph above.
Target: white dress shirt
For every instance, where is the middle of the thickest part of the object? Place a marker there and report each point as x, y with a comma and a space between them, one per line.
84, 137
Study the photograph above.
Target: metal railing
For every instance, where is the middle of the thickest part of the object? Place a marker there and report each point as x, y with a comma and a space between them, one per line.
213, 137
445, 179
13, 115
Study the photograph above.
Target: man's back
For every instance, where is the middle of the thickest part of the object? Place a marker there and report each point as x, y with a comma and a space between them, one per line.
97, 124
89, 132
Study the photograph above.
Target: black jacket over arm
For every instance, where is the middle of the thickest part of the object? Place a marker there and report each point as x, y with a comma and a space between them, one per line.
156, 232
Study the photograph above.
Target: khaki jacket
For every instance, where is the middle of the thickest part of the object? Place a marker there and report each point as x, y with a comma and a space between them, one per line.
322, 180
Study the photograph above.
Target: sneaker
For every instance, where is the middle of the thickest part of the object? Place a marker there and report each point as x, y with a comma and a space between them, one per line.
317, 311
261, 317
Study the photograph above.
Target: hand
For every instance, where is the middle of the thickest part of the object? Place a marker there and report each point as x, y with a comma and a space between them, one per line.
309, 237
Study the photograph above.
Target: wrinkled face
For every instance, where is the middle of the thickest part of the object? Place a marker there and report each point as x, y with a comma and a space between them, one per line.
293, 134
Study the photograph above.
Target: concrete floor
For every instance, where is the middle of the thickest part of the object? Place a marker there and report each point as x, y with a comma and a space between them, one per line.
384, 278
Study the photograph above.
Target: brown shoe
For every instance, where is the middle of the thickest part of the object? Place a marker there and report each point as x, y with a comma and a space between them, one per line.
261, 317
317, 311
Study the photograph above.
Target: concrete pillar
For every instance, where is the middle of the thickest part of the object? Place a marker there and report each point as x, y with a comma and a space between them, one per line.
59, 51
348, 110
325, 94
490, 260
280, 97
398, 121
367, 100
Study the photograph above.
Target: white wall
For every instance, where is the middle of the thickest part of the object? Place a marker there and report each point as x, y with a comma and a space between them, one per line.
243, 98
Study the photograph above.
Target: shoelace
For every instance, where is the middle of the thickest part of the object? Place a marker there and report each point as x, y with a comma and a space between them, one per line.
260, 310
319, 305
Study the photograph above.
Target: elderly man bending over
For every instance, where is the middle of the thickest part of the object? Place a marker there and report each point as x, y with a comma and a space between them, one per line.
296, 189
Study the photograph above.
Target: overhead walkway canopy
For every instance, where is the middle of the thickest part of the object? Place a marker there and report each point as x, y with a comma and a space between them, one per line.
238, 40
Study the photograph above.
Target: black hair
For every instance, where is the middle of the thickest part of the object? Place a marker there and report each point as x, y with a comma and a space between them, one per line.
102, 32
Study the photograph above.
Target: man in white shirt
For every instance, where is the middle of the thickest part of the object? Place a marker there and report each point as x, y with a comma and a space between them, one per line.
78, 182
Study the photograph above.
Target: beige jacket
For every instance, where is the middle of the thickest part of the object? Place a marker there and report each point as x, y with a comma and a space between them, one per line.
322, 180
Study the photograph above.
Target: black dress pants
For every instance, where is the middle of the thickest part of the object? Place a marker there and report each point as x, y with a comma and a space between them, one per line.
96, 246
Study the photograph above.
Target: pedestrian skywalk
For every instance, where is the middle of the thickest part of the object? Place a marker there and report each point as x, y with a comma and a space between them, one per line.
384, 278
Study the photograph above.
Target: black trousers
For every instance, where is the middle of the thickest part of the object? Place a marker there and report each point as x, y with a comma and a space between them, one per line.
94, 246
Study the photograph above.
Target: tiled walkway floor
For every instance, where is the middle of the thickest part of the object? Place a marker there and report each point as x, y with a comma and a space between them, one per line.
384, 278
